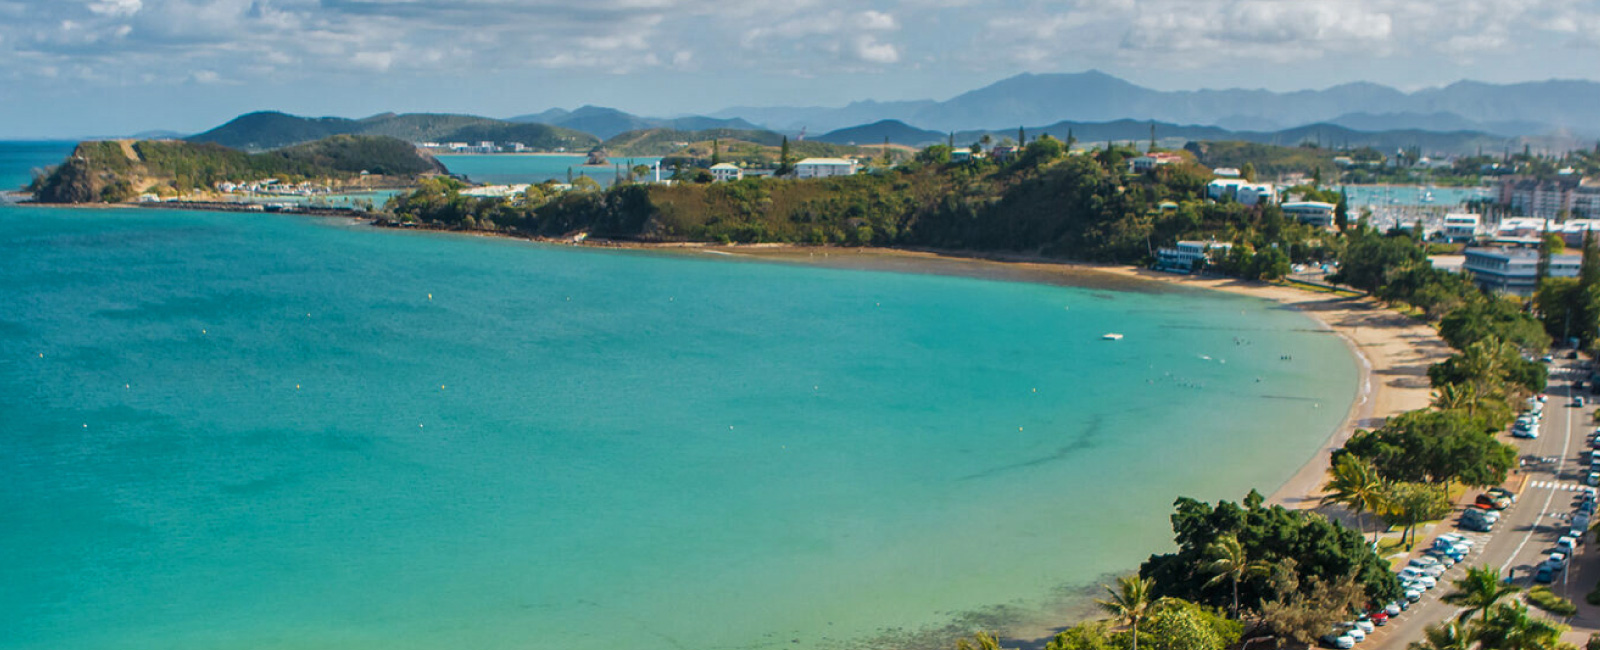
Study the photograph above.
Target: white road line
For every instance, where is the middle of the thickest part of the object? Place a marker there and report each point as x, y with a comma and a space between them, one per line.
1545, 510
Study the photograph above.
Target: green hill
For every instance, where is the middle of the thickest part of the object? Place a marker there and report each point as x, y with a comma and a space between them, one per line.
662, 142
118, 170
268, 130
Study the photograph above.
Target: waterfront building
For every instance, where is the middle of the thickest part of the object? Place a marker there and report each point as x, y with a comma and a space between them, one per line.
726, 172
1460, 227
824, 167
1515, 270
1312, 213
1189, 256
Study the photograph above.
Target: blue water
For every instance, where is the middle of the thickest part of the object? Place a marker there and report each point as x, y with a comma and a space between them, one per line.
266, 431
1413, 196
19, 161
510, 169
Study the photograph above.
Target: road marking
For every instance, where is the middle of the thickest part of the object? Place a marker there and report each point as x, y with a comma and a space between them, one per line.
1554, 485
1551, 495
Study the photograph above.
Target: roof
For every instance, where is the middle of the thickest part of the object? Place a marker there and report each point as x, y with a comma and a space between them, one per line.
826, 161
724, 166
1309, 204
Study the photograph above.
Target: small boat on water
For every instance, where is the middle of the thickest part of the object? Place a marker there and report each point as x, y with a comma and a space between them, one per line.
1113, 336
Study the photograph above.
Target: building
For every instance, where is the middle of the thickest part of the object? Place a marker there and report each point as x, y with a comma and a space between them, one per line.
824, 167
726, 172
1311, 213
1147, 162
1226, 172
1515, 270
1234, 189
1189, 256
1460, 227
1548, 199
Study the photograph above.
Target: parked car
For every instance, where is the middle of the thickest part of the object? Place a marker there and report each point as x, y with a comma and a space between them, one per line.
1350, 630
1491, 501
1338, 640
1452, 539
1557, 560
1444, 556
1545, 575
1593, 479
1548, 359
1412, 594
1476, 525
1481, 512
1578, 401
1502, 492
1393, 609
1567, 544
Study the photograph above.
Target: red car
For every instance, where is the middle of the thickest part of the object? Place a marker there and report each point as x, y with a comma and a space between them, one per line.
1378, 618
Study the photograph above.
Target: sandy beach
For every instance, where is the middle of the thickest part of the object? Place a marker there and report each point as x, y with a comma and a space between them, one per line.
1394, 350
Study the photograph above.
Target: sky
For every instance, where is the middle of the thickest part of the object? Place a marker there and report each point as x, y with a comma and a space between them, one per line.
74, 68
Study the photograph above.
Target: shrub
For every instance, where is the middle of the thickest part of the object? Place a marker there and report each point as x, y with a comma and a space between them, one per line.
1544, 599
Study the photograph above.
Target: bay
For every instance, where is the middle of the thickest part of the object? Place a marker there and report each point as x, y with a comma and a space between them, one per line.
267, 431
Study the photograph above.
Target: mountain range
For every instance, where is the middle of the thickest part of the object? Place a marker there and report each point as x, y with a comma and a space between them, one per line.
607, 123
1532, 108
265, 130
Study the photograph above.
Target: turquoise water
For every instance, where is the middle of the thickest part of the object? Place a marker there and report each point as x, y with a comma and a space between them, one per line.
501, 169
1412, 195
18, 160
262, 431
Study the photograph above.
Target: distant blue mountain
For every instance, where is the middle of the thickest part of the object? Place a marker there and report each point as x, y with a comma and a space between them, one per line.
1531, 108
606, 123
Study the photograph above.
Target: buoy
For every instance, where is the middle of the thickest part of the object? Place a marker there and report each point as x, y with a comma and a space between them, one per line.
430, 296
1035, 390
441, 386
202, 331
297, 386
86, 425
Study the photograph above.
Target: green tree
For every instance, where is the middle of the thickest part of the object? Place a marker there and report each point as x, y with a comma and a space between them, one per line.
1131, 603
1088, 635
1230, 562
1409, 504
1450, 635
1510, 627
1478, 591
1181, 628
786, 161
1248, 172
980, 641
1354, 483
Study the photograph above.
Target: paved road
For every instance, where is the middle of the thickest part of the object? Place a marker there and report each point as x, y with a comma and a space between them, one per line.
1551, 478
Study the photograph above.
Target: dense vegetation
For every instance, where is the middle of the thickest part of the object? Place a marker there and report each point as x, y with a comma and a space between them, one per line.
111, 171
1081, 206
270, 130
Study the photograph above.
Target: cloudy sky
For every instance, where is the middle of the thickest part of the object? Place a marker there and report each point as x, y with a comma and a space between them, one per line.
103, 67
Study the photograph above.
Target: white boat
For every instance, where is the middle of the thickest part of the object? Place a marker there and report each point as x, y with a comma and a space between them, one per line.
1113, 336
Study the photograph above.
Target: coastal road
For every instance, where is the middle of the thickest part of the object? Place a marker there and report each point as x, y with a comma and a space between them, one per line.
1551, 478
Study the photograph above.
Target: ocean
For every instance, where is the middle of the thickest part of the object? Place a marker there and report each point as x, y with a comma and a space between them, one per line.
269, 431
503, 169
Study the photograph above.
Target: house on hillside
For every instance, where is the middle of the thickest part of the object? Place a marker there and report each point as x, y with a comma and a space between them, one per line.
824, 167
725, 172
1515, 270
1312, 213
1149, 161
1234, 189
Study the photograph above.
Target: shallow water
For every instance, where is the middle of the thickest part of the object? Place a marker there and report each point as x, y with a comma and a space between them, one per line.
265, 431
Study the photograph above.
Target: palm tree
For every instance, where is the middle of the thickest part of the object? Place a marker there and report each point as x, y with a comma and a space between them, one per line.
1478, 591
1450, 635
1355, 483
984, 640
1456, 396
1229, 561
1131, 602
1511, 628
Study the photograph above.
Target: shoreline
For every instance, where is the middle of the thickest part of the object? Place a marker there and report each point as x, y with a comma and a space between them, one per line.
1392, 351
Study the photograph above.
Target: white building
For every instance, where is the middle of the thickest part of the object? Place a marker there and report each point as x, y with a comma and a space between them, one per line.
1460, 227
726, 172
1240, 190
1311, 213
1226, 172
1147, 162
1515, 270
824, 167
1189, 256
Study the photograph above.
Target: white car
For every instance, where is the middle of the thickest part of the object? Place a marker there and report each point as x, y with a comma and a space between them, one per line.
1425, 581
1557, 560
1392, 609
1423, 562
1349, 629
1454, 538
1366, 627
1567, 543
1411, 573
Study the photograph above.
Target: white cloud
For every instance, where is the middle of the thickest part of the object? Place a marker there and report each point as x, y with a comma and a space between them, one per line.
247, 41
